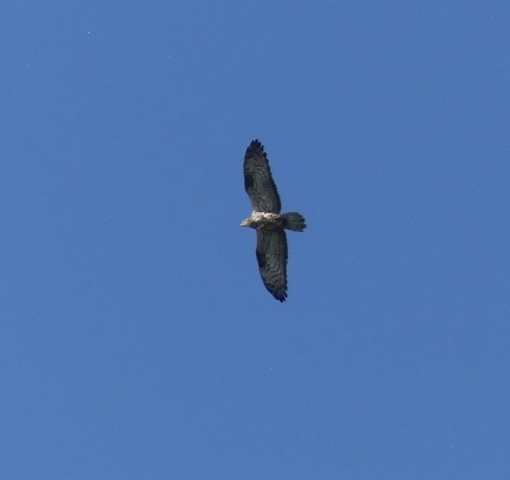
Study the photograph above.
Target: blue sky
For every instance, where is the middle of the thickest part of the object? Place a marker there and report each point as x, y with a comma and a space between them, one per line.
136, 337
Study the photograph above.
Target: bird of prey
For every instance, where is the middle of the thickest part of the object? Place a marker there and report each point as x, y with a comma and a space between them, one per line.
267, 220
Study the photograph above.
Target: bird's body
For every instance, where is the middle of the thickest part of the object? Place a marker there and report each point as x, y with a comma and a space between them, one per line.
266, 219
271, 221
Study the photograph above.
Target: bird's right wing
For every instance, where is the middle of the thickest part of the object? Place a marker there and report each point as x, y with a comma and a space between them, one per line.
272, 256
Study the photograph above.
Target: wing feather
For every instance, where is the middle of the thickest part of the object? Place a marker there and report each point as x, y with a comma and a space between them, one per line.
272, 254
258, 181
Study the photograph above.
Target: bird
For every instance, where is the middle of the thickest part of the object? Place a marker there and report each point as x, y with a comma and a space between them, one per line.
266, 219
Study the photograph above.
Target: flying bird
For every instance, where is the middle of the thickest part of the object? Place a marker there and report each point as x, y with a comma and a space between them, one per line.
266, 219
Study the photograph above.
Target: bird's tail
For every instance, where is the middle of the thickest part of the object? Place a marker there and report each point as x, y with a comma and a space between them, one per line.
294, 221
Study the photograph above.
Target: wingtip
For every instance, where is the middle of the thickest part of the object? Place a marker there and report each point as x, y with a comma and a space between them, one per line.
280, 297
256, 144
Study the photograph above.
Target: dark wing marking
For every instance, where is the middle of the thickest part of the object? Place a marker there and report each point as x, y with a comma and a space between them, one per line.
258, 182
272, 258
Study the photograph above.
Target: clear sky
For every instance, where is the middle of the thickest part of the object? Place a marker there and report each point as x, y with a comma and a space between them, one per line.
136, 338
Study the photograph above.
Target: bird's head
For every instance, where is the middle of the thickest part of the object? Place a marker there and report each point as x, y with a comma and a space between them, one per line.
245, 222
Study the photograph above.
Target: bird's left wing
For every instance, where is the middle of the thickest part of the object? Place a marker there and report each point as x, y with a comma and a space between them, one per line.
258, 181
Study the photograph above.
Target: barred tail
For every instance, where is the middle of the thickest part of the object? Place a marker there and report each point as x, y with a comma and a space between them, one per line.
294, 221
